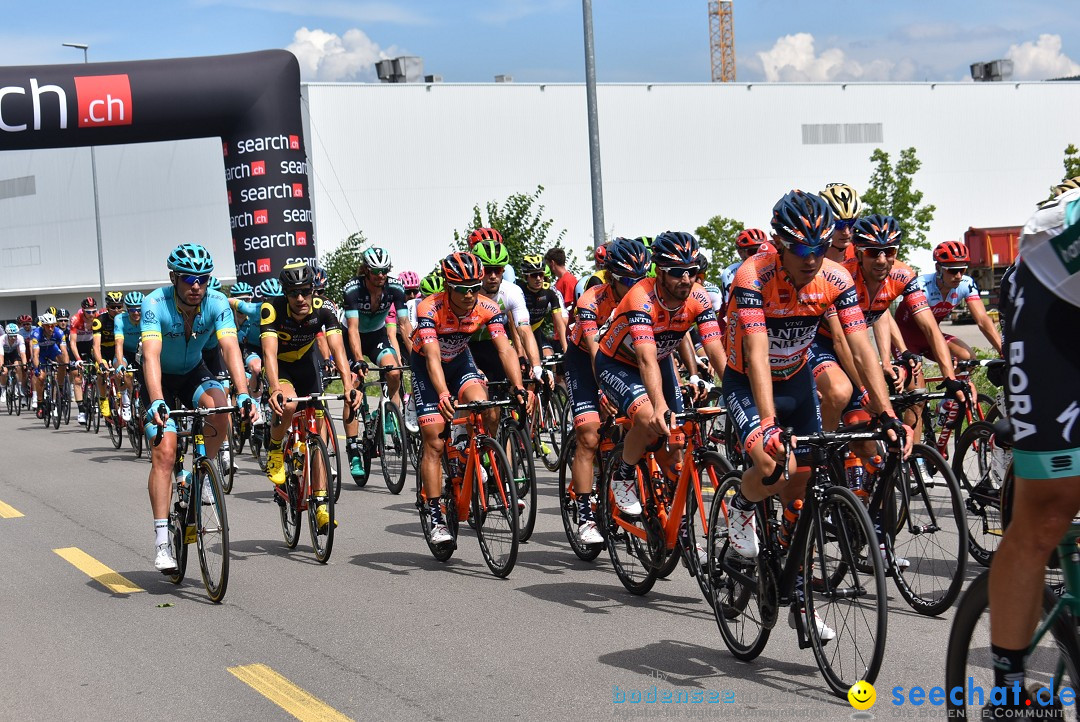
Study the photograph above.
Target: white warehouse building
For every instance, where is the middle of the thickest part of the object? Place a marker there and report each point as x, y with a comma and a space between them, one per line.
406, 163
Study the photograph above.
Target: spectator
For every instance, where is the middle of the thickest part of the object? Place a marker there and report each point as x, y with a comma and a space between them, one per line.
564, 280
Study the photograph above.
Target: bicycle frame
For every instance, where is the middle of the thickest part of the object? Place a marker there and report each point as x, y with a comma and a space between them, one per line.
1069, 554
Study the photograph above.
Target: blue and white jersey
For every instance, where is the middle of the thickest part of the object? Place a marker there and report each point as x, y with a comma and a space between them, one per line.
727, 277
181, 350
50, 345
941, 305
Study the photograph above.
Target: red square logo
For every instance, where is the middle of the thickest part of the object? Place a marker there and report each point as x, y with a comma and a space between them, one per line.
297, 190
258, 167
103, 100
294, 142
301, 238
261, 217
234, 245
228, 194
262, 265
224, 148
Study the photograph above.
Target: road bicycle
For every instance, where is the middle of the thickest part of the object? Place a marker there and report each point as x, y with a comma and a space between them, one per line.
832, 567
609, 435
307, 476
985, 408
13, 391
383, 436
50, 395
90, 396
513, 435
115, 423
546, 424
197, 512
982, 463
479, 488
332, 443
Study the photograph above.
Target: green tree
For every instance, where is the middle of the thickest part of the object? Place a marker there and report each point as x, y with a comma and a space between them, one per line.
341, 263
717, 236
891, 193
1072, 162
525, 231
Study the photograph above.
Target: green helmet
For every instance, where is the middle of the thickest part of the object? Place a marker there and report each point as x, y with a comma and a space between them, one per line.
431, 284
491, 253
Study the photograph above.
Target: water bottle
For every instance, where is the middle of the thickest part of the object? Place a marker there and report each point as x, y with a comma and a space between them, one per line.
183, 481
947, 413
456, 454
855, 475
787, 525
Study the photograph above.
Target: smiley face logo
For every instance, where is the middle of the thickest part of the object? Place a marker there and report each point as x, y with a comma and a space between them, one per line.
862, 695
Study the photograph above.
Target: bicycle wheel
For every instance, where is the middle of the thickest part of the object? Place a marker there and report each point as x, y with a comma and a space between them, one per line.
710, 471
518, 451
97, 410
568, 503
240, 425
849, 574
258, 442
180, 520
335, 456
226, 459
546, 434
54, 404
90, 404
390, 437
441, 552
290, 512
556, 430
969, 664
317, 468
932, 539
116, 432
737, 584
65, 401
9, 395
495, 507
627, 540
135, 426
980, 465
213, 529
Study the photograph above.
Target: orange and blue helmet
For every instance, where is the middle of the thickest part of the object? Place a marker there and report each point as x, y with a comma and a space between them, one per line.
462, 268
675, 248
876, 230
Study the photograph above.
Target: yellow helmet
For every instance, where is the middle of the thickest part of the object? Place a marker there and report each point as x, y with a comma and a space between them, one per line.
843, 200
1062, 187
114, 298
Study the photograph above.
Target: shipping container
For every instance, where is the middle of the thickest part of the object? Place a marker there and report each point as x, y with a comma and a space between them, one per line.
993, 247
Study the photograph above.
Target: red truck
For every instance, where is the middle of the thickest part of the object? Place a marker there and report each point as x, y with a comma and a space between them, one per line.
992, 250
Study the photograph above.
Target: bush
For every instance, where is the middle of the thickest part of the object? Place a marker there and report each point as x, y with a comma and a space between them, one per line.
718, 236
341, 263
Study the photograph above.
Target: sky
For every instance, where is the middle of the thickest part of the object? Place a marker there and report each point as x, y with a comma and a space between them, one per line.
541, 40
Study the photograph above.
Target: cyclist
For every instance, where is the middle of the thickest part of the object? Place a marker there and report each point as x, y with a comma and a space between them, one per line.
47, 344
289, 328
443, 367
63, 322
778, 301
246, 317
635, 368
177, 321
372, 304
747, 243
945, 289
211, 352
627, 263
410, 281
127, 337
14, 356
565, 281
600, 276
1042, 393
846, 207
104, 341
546, 312
80, 345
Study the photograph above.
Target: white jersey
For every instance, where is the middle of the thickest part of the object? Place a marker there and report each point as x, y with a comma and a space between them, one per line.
410, 308
727, 277
1050, 246
717, 298
512, 300
15, 346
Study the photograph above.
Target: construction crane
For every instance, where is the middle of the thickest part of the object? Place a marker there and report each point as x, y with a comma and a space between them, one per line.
722, 41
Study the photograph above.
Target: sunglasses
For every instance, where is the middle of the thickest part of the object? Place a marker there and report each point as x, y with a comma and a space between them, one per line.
114, 308
680, 271
841, 225
379, 271
538, 274
625, 280
202, 280
804, 251
874, 252
298, 292
466, 290
494, 269
954, 269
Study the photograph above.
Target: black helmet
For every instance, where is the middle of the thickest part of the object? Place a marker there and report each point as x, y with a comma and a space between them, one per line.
675, 248
803, 218
296, 275
627, 257
876, 230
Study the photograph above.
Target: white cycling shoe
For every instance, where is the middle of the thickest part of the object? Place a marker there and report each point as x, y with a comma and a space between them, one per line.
626, 498
588, 533
164, 561
742, 531
824, 632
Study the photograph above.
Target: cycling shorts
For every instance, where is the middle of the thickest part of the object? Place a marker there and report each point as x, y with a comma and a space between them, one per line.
86, 349
821, 356
623, 386
582, 386
178, 390
52, 353
214, 360
251, 353
796, 403
1042, 390
486, 358
11, 357
543, 341
459, 374
302, 374
376, 344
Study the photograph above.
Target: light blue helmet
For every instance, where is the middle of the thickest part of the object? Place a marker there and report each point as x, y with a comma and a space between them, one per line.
11, 329
241, 289
132, 299
215, 284
191, 258
271, 288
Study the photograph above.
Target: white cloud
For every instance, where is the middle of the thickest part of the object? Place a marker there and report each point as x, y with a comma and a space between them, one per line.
329, 57
1041, 60
793, 59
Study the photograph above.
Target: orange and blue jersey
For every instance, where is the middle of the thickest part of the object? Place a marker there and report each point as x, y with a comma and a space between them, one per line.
593, 309
764, 300
436, 322
640, 318
901, 281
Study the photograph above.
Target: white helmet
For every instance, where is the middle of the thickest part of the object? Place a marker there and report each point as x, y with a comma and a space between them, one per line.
47, 319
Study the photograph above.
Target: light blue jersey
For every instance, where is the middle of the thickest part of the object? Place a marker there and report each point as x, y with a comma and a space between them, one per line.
180, 351
124, 329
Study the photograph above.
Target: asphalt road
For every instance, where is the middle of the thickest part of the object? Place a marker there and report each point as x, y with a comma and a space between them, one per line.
383, 631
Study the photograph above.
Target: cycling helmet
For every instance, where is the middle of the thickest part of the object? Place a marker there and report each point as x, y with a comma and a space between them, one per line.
1064, 186
24, 319
462, 268
87, 303
491, 253
646, 241
298, 274
63, 315
675, 248
376, 259
876, 230
114, 298
134, 298
750, 238
803, 218
951, 252
432, 283
409, 280
270, 288
11, 329
190, 258
628, 257
51, 309
843, 200
484, 234
47, 319
240, 289
600, 254
532, 264
321, 278
702, 260
215, 284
